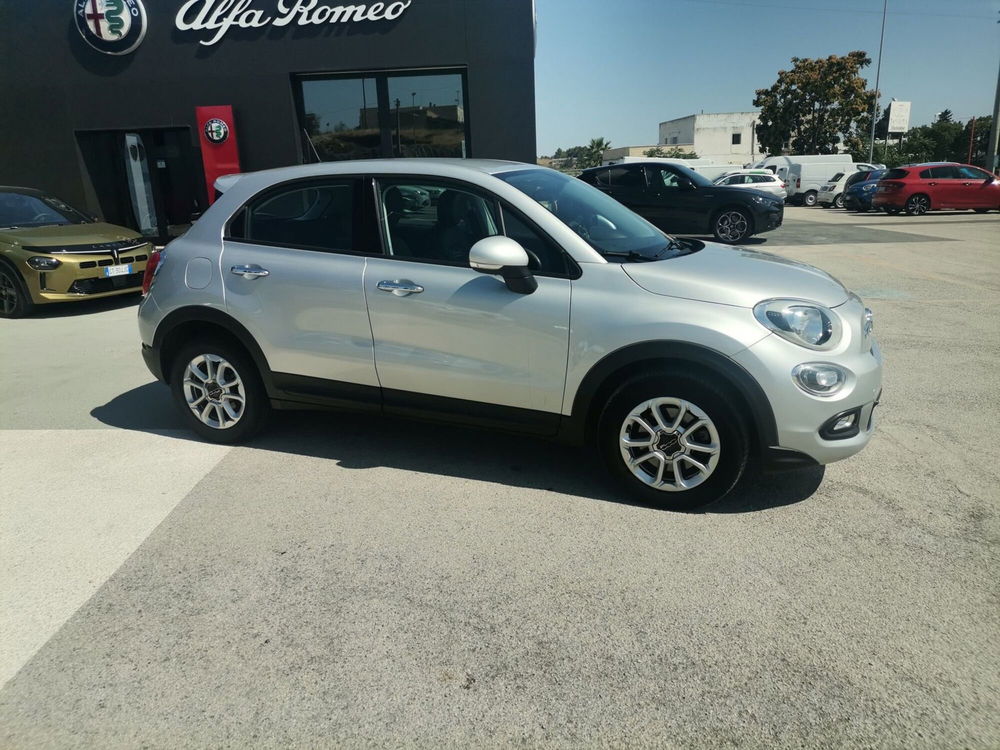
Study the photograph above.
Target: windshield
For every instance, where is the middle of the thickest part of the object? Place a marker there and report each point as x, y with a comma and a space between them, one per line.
23, 210
610, 228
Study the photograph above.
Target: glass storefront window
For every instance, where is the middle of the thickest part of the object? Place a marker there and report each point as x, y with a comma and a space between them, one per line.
340, 118
429, 115
402, 113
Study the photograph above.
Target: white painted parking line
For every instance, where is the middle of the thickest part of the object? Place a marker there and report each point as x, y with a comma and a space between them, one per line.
74, 505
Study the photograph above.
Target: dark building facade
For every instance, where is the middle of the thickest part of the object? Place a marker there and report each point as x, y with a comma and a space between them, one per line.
101, 97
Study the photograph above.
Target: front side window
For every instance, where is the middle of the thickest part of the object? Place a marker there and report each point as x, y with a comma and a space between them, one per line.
22, 210
311, 216
544, 256
671, 177
432, 221
971, 173
610, 228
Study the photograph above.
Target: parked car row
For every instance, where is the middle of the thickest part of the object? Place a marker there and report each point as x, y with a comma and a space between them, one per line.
914, 188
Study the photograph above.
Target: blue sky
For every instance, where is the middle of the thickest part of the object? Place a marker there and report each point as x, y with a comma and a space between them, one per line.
617, 68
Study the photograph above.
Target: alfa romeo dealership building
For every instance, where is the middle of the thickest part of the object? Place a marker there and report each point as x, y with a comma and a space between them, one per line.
130, 108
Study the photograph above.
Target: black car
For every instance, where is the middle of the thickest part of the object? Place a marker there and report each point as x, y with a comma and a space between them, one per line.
681, 201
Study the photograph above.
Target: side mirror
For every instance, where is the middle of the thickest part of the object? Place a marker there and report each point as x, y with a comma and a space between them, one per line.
502, 256
685, 183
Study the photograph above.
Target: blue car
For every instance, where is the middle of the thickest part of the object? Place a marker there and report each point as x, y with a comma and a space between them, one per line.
858, 195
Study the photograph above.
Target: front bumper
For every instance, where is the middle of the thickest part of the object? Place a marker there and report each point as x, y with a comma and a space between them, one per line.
800, 417
767, 219
854, 202
83, 276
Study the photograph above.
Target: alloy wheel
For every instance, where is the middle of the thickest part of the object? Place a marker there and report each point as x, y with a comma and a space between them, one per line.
8, 294
918, 205
731, 226
214, 391
669, 444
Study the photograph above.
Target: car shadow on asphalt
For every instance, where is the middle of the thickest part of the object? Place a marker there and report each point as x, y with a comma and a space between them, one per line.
356, 441
86, 306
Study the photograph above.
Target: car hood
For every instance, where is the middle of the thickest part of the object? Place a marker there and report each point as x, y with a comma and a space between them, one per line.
67, 234
736, 276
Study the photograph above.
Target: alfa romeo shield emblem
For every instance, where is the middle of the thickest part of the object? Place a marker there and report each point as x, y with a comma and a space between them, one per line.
115, 27
216, 130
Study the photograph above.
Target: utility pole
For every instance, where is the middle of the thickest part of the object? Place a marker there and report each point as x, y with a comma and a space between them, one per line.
972, 139
878, 73
991, 147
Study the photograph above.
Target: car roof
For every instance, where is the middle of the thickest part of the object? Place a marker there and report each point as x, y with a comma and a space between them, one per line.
432, 167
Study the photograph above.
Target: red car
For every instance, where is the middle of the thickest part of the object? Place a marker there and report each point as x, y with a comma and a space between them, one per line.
919, 188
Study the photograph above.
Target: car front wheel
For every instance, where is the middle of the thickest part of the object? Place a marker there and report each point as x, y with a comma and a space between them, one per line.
809, 199
217, 389
838, 202
14, 299
731, 225
673, 442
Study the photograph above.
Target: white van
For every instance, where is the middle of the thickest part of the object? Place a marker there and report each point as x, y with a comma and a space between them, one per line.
806, 180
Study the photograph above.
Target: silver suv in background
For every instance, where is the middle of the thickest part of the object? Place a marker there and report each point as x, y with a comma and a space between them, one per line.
517, 298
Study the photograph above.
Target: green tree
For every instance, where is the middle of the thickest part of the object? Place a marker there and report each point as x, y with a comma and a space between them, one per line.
674, 152
816, 106
944, 116
592, 154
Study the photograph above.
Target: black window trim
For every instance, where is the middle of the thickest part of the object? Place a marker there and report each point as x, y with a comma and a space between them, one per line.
498, 203
360, 232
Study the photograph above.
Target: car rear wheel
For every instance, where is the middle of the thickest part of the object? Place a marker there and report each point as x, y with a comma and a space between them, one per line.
838, 202
672, 441
731, 225
809, 199
918, 205
980, 210
15, 302
217, 389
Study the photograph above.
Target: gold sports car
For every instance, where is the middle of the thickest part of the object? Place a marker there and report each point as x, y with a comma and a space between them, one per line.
51, 252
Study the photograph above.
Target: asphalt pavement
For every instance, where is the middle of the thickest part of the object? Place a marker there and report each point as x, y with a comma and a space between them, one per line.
348, 581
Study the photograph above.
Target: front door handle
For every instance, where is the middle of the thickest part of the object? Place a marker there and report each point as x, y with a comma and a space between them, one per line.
400, 287
251, 271
932, 184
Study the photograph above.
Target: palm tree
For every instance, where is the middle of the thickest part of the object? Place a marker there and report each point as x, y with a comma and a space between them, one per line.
595, 152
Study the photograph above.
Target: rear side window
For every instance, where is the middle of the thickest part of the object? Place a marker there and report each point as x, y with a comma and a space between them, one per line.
602, 178
762, 178
943, 173
626, 177
895, 174
310, 216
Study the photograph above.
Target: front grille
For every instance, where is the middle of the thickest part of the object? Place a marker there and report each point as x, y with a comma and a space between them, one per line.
94, 263
99, 286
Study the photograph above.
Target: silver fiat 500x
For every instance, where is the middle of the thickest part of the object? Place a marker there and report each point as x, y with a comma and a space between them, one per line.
510, 297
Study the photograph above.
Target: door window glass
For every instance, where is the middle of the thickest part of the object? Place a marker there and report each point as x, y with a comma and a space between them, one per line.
943, 173
544, 256
971, 173
311, 216
602, 177
434, 222
625, 177
665, 177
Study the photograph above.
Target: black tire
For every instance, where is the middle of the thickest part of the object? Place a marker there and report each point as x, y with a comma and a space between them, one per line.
256, 406
704, 397
918, 204
732, 225
809, 199
15, 302
838, 202
980, 210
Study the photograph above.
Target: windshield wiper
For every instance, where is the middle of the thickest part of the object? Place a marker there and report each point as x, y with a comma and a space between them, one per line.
630, 255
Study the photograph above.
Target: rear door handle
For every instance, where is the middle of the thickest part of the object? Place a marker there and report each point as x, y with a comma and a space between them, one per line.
251, 271
400, 287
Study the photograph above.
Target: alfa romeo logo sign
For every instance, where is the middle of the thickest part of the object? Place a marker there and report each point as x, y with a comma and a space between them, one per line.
216, 130
115, 27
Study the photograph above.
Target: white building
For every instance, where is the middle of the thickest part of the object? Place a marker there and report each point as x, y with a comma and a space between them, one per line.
723, 138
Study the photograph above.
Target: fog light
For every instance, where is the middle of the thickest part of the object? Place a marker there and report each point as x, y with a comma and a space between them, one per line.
819, 378
842, 426
41, 263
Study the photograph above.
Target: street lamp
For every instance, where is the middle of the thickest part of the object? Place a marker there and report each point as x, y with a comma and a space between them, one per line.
878, 73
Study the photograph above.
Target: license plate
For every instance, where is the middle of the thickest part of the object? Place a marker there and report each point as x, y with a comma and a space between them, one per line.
118, 270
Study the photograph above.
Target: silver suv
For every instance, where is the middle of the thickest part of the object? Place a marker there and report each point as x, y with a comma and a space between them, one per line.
510, 297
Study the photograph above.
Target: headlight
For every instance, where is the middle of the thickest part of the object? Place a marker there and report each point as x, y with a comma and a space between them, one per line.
819, 378
868, 188
757, 198
41, 263
804, 323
